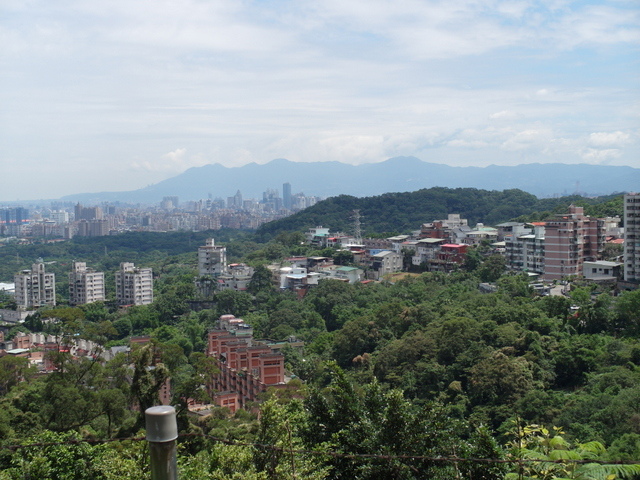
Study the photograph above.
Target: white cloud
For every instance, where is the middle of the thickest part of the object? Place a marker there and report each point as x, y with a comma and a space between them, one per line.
175, 161
593, 154
608, 139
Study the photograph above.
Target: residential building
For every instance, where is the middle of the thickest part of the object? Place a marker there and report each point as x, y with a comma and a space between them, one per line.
246, 366
570, 239
134, 286
385, 262
237, 277
602, 270
35, 287
632, 237
212, 259
449, 257
525, 248
85, 285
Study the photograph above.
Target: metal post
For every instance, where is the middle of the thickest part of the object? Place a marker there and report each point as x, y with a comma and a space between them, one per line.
162, 431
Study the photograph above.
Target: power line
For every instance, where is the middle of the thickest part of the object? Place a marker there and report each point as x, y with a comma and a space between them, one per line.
326, 453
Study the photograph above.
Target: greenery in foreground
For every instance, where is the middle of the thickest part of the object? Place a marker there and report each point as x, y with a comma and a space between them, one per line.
426, 367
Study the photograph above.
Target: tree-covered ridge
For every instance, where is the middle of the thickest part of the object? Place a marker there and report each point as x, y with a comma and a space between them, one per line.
404, 212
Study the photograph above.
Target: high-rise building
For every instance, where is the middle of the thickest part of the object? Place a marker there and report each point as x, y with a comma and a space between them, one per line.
87, 213
632, 237
85, 285
35, 287
286, 195
212, 259
570, 239
134, 286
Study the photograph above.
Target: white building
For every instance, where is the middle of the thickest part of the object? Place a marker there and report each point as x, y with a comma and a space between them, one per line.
386, 262
35, 287
85, 285
134, 286
212, 259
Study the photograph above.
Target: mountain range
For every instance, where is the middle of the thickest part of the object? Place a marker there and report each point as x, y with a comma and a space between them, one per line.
398, 174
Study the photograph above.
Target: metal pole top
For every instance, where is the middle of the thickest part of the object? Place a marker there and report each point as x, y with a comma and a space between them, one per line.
161, 423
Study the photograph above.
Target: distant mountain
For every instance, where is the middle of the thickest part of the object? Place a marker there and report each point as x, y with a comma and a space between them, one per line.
399, 174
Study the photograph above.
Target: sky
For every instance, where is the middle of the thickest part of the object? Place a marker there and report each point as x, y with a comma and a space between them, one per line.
119, 94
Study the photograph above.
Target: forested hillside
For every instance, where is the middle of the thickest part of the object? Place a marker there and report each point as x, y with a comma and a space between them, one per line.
408, 380
404, 212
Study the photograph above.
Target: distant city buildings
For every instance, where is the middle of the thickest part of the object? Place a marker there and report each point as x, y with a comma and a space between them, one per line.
66, 220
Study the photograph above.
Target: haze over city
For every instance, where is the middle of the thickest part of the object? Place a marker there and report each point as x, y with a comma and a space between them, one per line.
109, 96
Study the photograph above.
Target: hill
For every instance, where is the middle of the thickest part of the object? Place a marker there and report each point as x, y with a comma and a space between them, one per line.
403, 212
399, 174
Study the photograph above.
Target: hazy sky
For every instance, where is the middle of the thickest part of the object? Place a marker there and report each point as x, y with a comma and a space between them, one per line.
115, 95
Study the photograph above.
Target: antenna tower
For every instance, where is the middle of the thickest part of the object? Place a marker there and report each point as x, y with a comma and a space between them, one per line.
357, 233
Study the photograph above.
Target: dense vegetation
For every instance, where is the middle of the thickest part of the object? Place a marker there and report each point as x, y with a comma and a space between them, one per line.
402, 380
405, 212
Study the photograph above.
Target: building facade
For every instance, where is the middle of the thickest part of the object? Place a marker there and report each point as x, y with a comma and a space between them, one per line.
570, 239
632, 237
35, 287
212, 259
134, 286
246, 367
85, 285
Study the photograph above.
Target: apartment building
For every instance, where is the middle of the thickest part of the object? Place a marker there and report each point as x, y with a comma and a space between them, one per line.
134, 286
246, 367
85, 285
632, 237
570, 239
35, 287
212, 259
525, 247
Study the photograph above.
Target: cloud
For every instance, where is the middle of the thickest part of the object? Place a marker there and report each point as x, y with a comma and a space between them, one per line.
600, 155
609, 139
175, 161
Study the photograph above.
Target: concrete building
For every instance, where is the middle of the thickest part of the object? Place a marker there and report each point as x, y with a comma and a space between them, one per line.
385, 262
570, 240
525, 248
632, 237
237, 277
602, 270
246, 367
212, 259
85, 285
134, 286
35, 287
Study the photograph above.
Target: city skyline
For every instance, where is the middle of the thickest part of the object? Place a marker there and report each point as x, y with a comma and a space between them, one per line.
110, 97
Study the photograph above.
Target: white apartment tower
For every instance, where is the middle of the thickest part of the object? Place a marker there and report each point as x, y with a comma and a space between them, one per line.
134, 286
85, 285
35, 287
212, 259
631, 237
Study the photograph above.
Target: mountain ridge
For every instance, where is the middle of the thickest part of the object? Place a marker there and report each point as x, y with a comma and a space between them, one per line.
397, 174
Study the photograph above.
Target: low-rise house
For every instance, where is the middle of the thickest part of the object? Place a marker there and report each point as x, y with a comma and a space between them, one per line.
602, 270
449, 258
237, 277
385, 262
